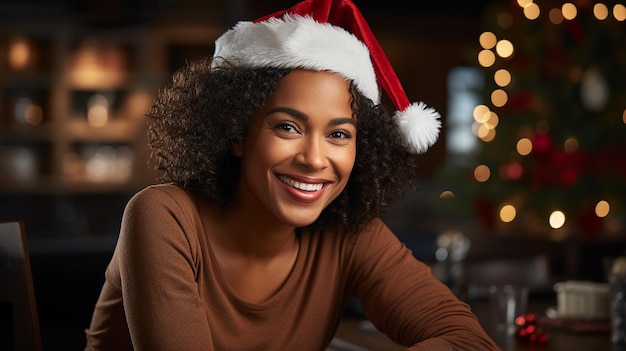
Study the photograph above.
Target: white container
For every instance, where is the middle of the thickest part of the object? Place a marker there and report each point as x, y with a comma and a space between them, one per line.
582, 300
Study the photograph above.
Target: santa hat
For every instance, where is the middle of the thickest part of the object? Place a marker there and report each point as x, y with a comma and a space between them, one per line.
329, 35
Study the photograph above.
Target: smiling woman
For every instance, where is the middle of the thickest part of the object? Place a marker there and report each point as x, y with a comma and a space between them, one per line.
276, 161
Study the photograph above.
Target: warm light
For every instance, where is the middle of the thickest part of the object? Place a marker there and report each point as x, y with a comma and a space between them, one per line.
570, 145
524, 3
557, 219
569, 11
602, 208
555, 16
33, 115
481, 113
485, 133
507, 213
493, 120
98, 110
499, 97
27, 112
532, 11
95, 64
482, 173
487, 40
600, 11
624, 116
504, 48
446, 195
619, 12
19, 54
486, 58
502, 77
524, 146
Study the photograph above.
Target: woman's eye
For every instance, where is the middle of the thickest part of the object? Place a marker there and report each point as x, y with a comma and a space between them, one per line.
287, 127
340, 134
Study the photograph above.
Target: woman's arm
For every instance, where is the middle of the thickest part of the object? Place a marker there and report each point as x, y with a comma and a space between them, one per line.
158, 267
405, 301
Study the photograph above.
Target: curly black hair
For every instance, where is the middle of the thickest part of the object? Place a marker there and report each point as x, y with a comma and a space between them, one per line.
197, 118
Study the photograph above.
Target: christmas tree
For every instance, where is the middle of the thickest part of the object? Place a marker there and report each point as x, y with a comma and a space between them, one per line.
552, 159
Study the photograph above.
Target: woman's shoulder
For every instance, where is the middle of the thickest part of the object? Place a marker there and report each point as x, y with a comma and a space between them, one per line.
162, 196
161, 191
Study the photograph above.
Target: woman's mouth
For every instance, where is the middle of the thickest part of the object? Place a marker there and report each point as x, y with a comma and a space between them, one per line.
311, 187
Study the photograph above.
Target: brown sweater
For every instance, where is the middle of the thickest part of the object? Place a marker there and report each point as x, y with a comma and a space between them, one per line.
164, 291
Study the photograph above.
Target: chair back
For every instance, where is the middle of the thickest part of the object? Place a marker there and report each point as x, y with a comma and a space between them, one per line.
19, 322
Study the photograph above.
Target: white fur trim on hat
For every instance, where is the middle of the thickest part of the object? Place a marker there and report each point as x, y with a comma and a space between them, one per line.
295, 41
421, 125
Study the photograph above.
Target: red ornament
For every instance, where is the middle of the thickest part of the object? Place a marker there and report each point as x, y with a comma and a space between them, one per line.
528, 332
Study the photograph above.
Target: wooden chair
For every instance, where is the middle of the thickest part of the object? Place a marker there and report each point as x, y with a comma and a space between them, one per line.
20, 322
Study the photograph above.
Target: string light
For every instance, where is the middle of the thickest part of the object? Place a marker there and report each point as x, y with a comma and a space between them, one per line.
532, 11
602, 208
493, 120
499, 98
502, 77
504, 48
600, 11
557, 219
524, 146
569, 11
481, 113
482, 173
619, 12
486, 58
487, 40
507, 213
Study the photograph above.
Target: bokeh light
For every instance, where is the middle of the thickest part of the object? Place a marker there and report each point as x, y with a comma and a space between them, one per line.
602, 208
502, 77
570, 145
532, 11
482, 173
499, 98
524, 146
481, 113
600, 11
619, 12
504, 48
507, 213
557, 219
569, 11
555, 16
486, 58
487, 40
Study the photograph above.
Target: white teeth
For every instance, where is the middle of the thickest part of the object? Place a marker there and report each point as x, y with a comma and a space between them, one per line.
300, 185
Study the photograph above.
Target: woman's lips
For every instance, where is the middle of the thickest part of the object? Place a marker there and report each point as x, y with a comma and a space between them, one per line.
305, 191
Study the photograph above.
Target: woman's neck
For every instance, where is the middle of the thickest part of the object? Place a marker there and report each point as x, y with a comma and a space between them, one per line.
250, 234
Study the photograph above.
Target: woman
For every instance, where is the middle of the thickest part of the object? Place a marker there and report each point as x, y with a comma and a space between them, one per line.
276, 161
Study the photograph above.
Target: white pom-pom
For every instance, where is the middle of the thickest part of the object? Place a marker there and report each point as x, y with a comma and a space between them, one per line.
421, 125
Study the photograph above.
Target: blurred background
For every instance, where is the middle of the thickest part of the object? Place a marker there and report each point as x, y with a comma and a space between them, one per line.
527, 183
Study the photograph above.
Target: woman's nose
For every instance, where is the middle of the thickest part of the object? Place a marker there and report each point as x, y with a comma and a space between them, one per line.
312, 154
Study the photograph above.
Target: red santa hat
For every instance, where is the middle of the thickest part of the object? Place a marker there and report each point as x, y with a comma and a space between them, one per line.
329, 35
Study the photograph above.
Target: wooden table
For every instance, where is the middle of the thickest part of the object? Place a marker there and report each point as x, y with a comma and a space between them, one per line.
356, 334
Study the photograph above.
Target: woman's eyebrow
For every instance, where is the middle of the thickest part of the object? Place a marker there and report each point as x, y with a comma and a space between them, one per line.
294, 113
303, 117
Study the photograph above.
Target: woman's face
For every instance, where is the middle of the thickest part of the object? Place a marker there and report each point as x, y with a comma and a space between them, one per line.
300, 149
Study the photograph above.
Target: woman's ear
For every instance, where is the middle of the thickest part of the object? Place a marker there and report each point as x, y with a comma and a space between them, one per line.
237, 148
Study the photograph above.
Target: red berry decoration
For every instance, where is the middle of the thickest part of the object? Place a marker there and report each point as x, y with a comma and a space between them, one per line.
528, 332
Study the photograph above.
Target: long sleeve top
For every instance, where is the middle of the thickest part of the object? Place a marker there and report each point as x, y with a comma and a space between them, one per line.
164, 289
